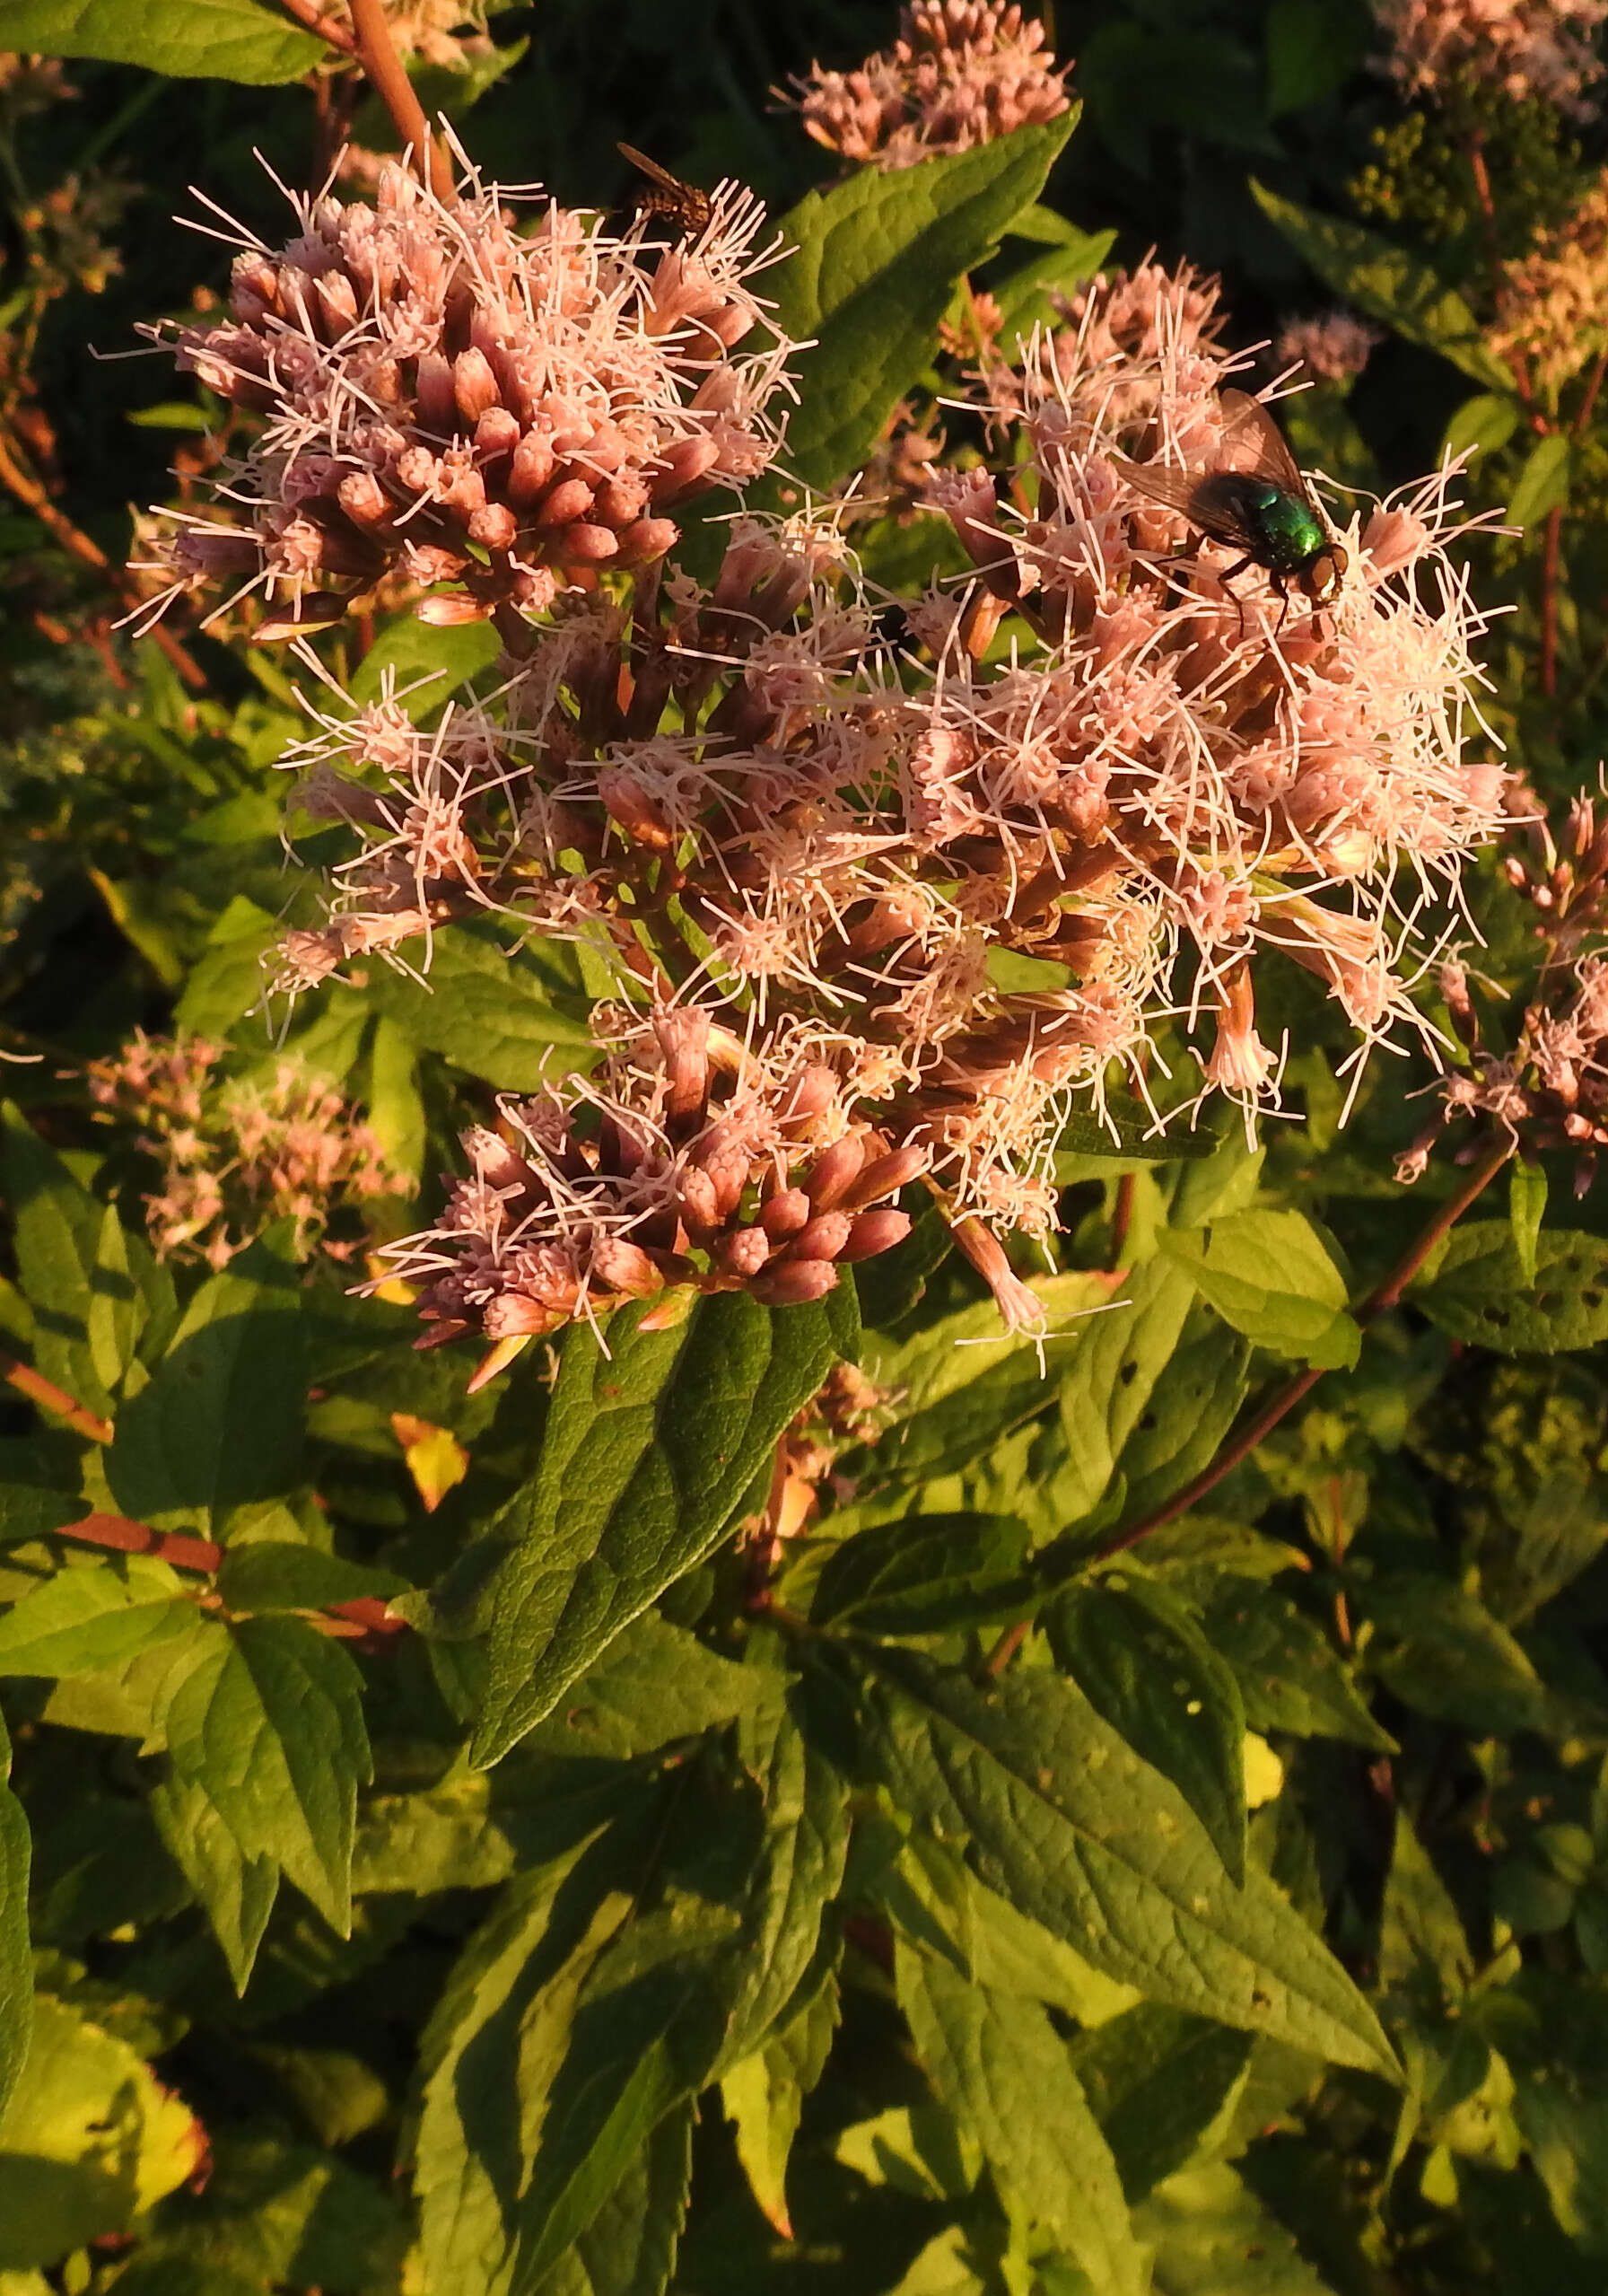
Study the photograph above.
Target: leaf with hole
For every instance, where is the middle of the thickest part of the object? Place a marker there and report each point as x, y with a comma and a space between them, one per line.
1478, 1294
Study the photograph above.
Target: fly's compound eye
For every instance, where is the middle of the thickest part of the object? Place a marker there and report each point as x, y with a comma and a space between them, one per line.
1322, 576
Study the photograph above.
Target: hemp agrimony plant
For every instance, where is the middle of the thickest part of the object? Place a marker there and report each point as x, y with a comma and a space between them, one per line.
777, 1511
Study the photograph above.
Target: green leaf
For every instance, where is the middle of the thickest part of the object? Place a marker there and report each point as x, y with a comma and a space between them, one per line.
56, 1236
1478, 1293
269, 1725
1124, 1128
16, 1967
494, 2046
28, 1511
277, 1574
1268, 1276
1290, 1675
655, 1682
1142, 1662
1110, 1383
875, 260
764, 2097
82, 1619
1481, 425
1190, 1409
629, 2248
962, 1383
648, 1454
1439, 1648
1313, 48
195, 40
495, 1014
229, 980
1567, 2136
1027, 297
1212, 2237
236, 1892
89, 2141
1526, 1209
795, 1872
931, 1897
1162, 2084
1386, 283
1422, 1943
1065, 1819
927, 1575
999, 2066
275, 2213
427, 663
1542, 485
219, 1424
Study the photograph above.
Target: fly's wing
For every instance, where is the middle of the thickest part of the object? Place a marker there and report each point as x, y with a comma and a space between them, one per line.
1254, 444
1193, 494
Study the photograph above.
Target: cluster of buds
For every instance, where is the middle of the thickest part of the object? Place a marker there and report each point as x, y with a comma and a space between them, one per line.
1539, 49
1550, 1090
1553, 303
688, 1167
1334, 347
879, 902
237, 1157
960, 74
449, 401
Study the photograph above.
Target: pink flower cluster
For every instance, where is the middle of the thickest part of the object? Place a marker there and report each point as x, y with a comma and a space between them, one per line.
238, 1156
1334, 347
961, 72
449, 400
875, 907
1549, 1090
1527, 49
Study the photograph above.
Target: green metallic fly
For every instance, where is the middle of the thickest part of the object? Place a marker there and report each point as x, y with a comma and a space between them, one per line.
1255, 499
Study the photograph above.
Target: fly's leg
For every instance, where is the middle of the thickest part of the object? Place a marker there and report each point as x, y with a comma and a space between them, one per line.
1227, 582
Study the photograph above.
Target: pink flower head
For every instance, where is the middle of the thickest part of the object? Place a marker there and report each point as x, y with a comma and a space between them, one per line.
960, 74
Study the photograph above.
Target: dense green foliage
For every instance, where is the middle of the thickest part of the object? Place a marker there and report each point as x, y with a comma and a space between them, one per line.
447, 1852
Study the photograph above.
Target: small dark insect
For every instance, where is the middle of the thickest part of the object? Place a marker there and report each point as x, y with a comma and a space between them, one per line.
665, 194
1253, 500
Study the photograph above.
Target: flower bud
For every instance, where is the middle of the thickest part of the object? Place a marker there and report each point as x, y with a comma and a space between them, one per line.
744, 1252
433, 389
795, 1282
822, 1238
645, 539
834, 1172
495, 528
530, 469
473, 385
700, 1202
582, 544
786, 1214
683, 1034
875, 1231
620, 1266
885, 1176
569, 499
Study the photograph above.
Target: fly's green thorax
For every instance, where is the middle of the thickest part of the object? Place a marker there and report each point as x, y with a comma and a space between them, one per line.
1287, 529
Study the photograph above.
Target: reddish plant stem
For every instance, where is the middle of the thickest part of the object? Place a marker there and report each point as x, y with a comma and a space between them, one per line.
54, 1399
1122, 1218
127, 1538
382, 66
1243, 1442
31, 494
1385, 1294
365, 1619
309, 14
1588, 405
